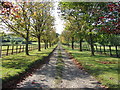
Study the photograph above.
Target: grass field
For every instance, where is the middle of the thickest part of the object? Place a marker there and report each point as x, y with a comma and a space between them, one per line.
14, 64
104, 68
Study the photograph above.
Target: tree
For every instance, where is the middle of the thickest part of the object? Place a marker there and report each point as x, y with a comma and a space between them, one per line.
53, 37
109, 20
89, 12
28, 18
17, 18
65, 37
40, 19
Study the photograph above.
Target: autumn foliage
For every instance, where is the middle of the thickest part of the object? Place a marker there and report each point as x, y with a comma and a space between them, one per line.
8, 8
111, 20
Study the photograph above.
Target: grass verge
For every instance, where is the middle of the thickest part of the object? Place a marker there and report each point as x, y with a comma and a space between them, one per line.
104, 68
59, 68
14, 65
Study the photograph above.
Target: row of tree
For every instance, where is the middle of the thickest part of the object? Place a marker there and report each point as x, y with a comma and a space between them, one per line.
30, 20
93, 22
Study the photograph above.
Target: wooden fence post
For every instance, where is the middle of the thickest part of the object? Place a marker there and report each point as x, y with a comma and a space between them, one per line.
28, 47
110, 50
23, 48
96, 48
7, 50
31, 47
36, 47
0, 51
88, 48
20, 49
104, 49
12, 49
116, 49
100, 50
16, 48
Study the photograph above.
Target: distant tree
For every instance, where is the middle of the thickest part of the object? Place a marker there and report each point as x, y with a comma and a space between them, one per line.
40, 19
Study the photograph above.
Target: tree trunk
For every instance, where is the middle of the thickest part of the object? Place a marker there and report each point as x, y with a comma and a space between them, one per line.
27, 42
39, 44
49, 44
0, 47
45, 44
91, 44
27, 47
72, 42
81, 44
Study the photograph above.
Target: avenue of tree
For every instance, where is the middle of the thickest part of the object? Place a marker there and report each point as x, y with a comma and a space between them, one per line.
96, 22
30, 20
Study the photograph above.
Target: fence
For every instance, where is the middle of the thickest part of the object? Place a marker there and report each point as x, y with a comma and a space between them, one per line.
110, 50
103, 49
14, 49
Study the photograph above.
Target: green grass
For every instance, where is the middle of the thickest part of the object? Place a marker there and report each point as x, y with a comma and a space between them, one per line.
15, 64
59, 68
107, 74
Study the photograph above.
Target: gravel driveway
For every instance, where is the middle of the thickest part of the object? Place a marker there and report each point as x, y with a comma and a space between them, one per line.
72, 76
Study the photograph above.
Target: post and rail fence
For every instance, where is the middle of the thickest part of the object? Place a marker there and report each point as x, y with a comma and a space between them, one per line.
111, 50
15, 49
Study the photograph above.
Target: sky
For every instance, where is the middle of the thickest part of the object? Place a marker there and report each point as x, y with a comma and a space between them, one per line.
59, 23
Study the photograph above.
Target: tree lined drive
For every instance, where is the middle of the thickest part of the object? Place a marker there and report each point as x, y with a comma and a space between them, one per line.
92, 21
85, 55
27, 19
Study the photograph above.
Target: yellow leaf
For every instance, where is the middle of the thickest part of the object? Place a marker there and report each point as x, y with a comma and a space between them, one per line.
5, 17
34, 14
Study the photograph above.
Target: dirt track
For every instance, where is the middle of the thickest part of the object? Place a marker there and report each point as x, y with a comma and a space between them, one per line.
72, 76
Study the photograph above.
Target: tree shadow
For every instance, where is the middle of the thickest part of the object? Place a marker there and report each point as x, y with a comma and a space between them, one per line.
31, 85
70, 73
